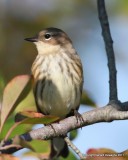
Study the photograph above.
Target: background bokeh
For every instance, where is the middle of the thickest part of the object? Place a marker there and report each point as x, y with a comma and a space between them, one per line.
21, 19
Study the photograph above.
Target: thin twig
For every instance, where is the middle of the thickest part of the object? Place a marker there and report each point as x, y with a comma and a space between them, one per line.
109, 49
10, 146
74, 148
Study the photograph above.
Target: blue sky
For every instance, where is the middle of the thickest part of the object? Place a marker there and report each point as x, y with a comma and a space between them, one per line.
109, 135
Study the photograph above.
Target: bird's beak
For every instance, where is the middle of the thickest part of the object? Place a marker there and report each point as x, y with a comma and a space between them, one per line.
32, 39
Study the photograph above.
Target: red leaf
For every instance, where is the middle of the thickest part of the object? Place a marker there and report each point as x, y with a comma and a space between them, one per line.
11, 95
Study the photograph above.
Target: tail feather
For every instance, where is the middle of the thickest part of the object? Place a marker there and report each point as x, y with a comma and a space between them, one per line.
58, 148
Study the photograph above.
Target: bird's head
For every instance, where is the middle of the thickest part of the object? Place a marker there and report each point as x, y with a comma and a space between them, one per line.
50, 40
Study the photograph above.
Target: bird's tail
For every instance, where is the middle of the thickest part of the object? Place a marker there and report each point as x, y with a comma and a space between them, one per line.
58, 148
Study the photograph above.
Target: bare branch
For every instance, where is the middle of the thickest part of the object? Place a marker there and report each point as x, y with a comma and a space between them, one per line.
105, 114
109, 49
74, 148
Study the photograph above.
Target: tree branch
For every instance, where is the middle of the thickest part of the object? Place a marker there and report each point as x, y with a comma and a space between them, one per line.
109, 49
105, 114
74, 148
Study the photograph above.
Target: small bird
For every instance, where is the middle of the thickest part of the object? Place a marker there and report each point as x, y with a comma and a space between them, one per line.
58, 79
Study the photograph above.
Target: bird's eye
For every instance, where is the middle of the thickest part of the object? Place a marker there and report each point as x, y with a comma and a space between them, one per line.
47, 36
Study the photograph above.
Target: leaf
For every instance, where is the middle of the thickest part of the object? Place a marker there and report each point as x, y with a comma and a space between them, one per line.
73, 134
31, 117
27, 114
6, 127
27, 104
27, 119
12, 95
43, 120
40, 146
25, 144
8, 157
86, 100
18, 130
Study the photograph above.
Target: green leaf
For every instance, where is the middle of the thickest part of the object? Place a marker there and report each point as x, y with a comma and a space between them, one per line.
86, 100
6, 127
43, 120
25, 144
12, 96
41, 147
16, 131
31, 117
73, 134
27, 104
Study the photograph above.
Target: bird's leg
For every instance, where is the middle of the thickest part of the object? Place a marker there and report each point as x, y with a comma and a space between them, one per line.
78, 116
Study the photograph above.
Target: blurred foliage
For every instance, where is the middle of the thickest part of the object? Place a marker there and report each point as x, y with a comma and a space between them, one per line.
40, 146
8, 157
87, 100
122, 7
73, 134
2, 85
